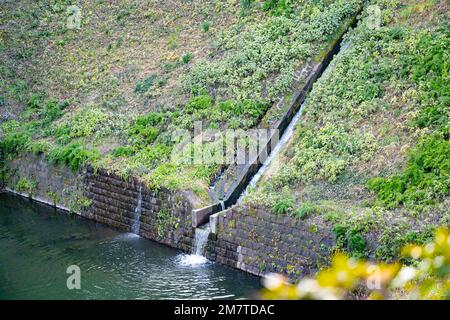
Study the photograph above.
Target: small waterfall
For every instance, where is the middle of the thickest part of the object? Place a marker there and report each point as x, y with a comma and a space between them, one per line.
198, 248
137, 213
290, 129
284, 139
200, 240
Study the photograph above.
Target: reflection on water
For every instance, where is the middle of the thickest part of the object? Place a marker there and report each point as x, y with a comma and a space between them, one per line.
37, 244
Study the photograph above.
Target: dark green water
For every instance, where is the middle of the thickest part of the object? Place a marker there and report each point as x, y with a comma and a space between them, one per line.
38, 244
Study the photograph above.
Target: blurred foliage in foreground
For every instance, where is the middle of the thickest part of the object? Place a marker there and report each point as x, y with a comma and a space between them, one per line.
426, 278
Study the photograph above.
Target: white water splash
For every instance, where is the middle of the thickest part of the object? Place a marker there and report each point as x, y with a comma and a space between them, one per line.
198, 248
137, 214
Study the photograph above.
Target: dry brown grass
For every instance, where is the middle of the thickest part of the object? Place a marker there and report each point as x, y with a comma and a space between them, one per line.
119, 44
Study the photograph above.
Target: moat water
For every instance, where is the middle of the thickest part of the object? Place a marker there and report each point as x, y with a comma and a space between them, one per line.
39, 243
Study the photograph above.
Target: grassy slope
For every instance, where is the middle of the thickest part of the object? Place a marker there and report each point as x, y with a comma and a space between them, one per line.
90, 84
112, 92
371, 154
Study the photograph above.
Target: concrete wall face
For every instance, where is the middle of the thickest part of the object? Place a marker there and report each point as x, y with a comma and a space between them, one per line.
259, 242
164, 217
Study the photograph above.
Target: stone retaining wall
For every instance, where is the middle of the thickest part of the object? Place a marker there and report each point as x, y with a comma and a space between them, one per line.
165, 216
244, 238
259, 242
106, 198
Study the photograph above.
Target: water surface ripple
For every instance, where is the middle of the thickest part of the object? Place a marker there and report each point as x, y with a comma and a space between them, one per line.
37, 244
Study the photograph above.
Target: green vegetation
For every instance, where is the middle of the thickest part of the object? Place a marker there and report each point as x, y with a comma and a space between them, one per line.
16, 142
272, 47
77, 203
351, 240
112, 92
283, 206
73, 155
370, 157
53, 196
165, 222
305, 210
186, 58
144, 85
38, 124
206, 26
278, 7
425, 179
394, 239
